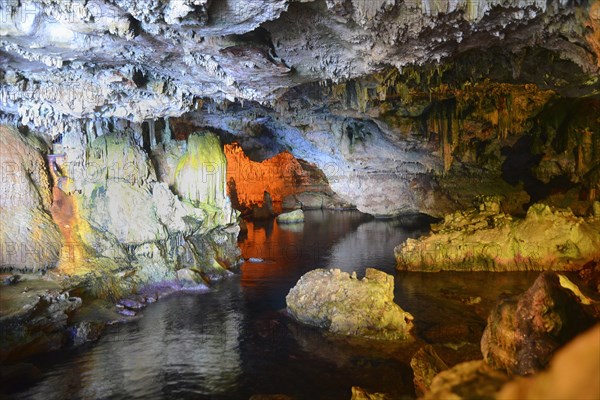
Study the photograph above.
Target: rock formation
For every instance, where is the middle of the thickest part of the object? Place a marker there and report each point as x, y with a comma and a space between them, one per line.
292, 217
426, 364
342, 304
472, 379
486, 239
29, 238
573, 373
114, 116
524, 332
400, 104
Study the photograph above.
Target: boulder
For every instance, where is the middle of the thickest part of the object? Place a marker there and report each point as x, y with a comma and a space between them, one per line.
486, 239
292, 217
342, 304
574, 373
523, 332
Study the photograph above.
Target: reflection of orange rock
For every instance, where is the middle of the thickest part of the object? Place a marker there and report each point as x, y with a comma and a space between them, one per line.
281, 176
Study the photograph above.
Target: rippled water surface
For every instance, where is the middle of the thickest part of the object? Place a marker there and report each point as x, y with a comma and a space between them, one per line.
234, 341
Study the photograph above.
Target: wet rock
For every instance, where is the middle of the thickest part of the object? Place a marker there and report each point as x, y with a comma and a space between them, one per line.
131, 304
574, 373
85, 331
126, 312
342, 304
11, 279
590, 275
486, 239
524, 331
426, 364
292, 217
469, 380
361, 394
188, 277
39, 326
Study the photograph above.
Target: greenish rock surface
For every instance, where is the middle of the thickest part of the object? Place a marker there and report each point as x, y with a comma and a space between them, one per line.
291, 217
486, 239
200, 175
342, 304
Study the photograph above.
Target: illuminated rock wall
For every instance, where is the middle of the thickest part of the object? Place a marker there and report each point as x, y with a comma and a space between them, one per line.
281, 176
29, 238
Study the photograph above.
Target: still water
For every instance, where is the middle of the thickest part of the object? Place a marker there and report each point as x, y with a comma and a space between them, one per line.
234, 341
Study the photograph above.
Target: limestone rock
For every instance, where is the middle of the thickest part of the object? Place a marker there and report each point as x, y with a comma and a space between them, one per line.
426, 364
485, 239
292, 217
361, 394
469, 380
85, 331
524, 332
574, 373
342, 304
200, 173
29, 238
39, 326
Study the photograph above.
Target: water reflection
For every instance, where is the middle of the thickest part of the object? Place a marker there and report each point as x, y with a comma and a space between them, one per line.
234, 341
371, 245
181, 348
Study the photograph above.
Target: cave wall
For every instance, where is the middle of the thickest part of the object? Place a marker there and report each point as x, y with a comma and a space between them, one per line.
404, 106
30, 239
94, 195
281, 176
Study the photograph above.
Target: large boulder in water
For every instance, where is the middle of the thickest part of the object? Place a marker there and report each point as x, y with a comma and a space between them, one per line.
292, 217
523, 332
341, 303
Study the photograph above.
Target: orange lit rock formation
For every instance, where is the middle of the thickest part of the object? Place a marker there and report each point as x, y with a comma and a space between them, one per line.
281, 176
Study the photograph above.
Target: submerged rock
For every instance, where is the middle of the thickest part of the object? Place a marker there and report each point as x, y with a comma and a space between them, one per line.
469, 380
361, 394
523, 332
85, 331
291, 217
342, 304
486, 239
426, 364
